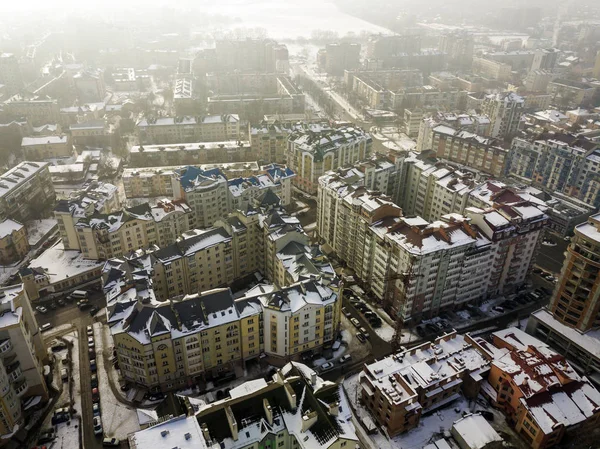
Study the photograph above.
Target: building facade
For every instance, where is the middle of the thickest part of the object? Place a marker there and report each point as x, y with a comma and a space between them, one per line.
13, 242
188, 129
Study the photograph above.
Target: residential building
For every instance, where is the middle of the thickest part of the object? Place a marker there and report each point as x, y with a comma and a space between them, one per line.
340, 56
243, 191
539, 390
398, 389
474, 123
186, 129
183, 95
37, 109
14, 245
90, 85
10, 73
545, 59
269, 140
149, 182
259, 411
23, 354
93, 133
25, 190
504, 111
596, 71
257, 55
191, 153
311, 154
571, 93
103, 236
480, 153
458, 48
451, 98
537, 80
518, 60
46, 147
559, 162
576, 302
206, 192
488, 68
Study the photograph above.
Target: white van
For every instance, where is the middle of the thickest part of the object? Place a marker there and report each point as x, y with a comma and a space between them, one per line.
64, 374
45, 327
79, 294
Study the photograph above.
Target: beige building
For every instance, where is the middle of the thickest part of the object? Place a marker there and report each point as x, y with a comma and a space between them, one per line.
504, 111
489, 68
25, 190
38, 110
313, 154
46, 147
22, 357
149, 182
171, 130
13, 242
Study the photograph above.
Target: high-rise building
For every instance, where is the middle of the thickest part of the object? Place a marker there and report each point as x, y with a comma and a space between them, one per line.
505, 111
597, 65
545, 59
22, 355
341, 56
10, 74
576, 299
459, 50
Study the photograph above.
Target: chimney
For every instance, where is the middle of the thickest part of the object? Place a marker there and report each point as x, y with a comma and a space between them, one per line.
308, 419
291, 395
334, 408
268, 411
232, 423
313, 378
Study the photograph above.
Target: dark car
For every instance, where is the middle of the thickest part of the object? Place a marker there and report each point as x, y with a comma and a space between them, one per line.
93, 366
361, 337
94, 310
489, 416
421, 331
46, 436
95, 395
84, 306
94, 380
92, 354
58, 347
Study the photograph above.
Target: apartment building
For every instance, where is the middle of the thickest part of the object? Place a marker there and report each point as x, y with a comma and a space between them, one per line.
22, 357
269, 140
92, 133
10, 73
426, 96
149, 182
188, 129
571, 93
398, 389
243, 191
46, 147
576, 302
474, 123
504, 111
25, 190
538, 390
559, 162
466, 148
311, 154
339, 56
293, 409
205, 334
13, 242
100, 236
488, 68
37, 109
458, 47
190, 153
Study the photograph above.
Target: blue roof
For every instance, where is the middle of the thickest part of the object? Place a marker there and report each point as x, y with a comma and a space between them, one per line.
191, 173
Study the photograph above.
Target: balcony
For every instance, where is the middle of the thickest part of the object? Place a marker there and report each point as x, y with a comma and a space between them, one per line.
21, 387
5, 346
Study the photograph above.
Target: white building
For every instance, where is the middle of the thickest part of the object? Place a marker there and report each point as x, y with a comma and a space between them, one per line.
505, 111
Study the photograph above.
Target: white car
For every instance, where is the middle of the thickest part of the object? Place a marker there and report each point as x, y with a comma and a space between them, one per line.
90, 331
355, 322
345, 358
326, 366
98, 430
41, 309
91, 342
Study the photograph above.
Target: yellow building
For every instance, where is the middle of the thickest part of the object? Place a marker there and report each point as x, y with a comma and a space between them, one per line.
46, 147
13, 241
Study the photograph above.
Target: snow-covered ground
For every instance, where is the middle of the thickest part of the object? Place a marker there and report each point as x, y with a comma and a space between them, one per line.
37, 229
55, 331
118, 419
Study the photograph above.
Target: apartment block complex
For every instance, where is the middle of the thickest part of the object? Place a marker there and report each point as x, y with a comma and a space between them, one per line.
188, 129
312, 154
495, 70
269, 140
22, 356
538, 390
561, 163
339, 56
375, 87
398, 389
190, 153
463, 147
100, 236
24, 190
37, 109
424, 125
293, 409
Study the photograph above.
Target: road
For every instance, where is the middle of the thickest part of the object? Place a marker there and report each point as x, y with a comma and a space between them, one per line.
69, 313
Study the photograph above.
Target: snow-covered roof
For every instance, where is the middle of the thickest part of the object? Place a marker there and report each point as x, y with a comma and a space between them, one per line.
19, 175
182, 432
8, 226
190, 120
475, 431
44, 140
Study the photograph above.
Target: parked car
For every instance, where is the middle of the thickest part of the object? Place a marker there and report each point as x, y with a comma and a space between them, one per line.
41, 309
355, 322
91, 342
90, 331
84, 306
64, 374
498, 309
364, 332
61, 302
346, 311
111, 442
45, 327
421, 331
345, 358
370, 314
489, 416
61, 415
326, 367
94, 380
375, 322
96, 409
93, 366
95, 395
98, 430
46, 436
91, 353
94, 310
361, 337
53, 306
